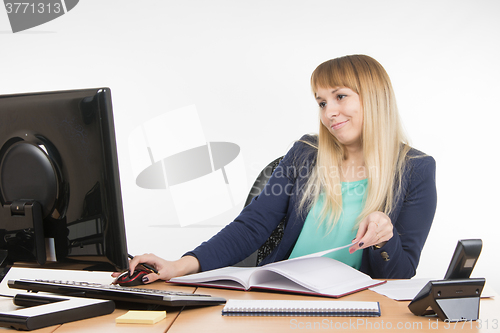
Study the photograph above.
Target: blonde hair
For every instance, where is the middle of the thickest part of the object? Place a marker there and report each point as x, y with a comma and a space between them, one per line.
385, 146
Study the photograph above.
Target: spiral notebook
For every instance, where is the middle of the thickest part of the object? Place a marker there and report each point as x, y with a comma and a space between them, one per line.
235, 307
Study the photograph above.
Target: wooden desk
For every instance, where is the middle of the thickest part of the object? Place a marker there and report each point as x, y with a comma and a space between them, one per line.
395, 316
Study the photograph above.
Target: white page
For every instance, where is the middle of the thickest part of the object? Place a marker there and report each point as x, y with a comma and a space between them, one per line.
318, 274
322, 253
274, 281
240, 274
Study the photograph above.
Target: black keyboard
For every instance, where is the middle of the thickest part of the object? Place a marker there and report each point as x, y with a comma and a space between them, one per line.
116, 293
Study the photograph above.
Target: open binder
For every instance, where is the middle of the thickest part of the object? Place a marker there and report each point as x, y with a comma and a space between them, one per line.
320, 276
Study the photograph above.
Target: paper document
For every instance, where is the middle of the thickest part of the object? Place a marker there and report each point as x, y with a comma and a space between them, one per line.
401, 290
407, 289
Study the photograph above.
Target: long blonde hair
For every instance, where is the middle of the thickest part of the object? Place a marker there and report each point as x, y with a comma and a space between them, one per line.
385, 146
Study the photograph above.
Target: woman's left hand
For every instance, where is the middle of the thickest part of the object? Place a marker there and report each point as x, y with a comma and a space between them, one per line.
376, 228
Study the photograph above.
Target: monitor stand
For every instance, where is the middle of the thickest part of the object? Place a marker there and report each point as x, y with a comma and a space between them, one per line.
22, 234
4, 266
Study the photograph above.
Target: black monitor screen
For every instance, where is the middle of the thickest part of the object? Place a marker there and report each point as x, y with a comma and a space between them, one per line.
59, 179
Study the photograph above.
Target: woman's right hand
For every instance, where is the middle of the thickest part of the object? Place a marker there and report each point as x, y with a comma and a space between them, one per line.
166, 269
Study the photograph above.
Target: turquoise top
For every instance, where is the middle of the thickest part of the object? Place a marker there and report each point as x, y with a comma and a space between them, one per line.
314, 238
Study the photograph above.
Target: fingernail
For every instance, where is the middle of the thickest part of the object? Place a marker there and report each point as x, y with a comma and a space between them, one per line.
145, 279
351, 251
129, 273
361, 244
353, 240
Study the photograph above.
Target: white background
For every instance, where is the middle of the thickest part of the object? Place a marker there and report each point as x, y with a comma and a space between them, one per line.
246, 66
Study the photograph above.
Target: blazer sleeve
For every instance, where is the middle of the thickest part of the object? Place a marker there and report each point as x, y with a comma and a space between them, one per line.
399, 257
255, 223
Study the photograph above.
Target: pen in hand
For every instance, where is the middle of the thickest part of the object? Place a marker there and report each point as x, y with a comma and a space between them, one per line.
146, 265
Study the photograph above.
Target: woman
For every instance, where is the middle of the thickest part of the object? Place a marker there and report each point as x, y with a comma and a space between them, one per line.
357, 179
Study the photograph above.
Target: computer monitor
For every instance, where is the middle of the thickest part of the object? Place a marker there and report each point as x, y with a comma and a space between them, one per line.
59, 180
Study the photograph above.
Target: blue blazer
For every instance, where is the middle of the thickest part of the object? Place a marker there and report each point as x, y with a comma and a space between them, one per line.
411, 216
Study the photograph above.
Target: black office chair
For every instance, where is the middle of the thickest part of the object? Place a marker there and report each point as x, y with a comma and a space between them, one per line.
255, 258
